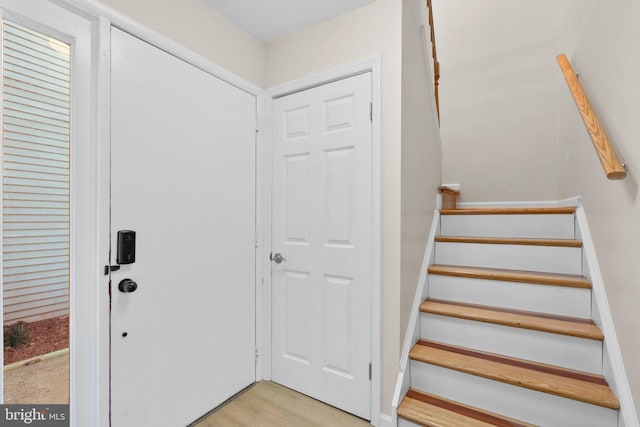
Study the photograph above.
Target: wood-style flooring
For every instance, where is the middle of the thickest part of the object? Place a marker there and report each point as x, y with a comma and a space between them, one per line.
267, 404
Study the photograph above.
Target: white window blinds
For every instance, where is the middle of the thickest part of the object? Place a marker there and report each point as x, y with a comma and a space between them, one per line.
35, 174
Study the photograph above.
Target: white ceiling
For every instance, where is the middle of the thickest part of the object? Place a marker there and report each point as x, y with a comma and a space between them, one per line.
267, 20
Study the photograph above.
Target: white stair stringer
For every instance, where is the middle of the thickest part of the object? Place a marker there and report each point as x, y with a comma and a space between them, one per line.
550, 259
517, 402
550, 299
614, 370
543, 347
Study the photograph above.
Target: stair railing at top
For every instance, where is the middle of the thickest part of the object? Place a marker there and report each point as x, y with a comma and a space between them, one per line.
613, 168
434, 55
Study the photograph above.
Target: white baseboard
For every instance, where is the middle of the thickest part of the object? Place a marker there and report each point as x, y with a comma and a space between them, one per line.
386, 421
572, 201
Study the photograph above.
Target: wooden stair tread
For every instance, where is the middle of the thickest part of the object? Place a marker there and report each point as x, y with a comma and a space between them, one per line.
570, 243
521, 276
571, 326
508, 211
435, 411
576, 385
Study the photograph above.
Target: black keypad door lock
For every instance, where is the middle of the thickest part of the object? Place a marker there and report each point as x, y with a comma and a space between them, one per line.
126, 247
127, 286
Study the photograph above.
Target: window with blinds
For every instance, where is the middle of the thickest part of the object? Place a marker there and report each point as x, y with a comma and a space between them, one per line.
35, 174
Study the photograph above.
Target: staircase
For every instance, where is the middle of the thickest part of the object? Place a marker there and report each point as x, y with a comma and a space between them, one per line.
505, 336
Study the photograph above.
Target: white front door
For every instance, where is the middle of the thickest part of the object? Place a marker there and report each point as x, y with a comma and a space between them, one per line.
321, 343
183, 178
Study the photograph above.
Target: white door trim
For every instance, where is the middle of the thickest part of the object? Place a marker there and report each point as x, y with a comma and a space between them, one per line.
264, 329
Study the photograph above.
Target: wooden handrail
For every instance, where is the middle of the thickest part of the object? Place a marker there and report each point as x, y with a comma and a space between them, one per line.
610, 161
434, 54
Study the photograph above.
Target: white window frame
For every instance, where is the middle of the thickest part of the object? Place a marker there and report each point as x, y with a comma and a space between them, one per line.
76, 29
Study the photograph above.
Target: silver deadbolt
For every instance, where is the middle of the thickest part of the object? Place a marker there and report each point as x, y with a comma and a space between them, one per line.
278, 258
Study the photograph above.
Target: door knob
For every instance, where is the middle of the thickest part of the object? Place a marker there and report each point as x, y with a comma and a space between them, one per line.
127, 286
278, 258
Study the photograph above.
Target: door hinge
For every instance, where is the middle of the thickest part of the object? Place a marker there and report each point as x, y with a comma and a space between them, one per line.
371, 111
257, 123
257, 354
369, 371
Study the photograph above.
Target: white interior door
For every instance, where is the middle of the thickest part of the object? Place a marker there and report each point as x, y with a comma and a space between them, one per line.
322, 228
183, 178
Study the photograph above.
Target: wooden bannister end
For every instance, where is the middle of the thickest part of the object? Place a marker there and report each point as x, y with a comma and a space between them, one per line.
614, 169
449, 197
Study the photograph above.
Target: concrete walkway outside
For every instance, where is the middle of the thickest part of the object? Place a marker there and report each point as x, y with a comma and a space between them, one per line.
46, 381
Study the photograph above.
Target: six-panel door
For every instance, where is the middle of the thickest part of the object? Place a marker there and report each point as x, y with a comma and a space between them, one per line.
322, 227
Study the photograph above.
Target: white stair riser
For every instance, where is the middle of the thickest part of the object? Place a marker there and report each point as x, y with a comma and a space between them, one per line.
560, 300
553, 349
511, 401
405, 423
541, 226
515, 257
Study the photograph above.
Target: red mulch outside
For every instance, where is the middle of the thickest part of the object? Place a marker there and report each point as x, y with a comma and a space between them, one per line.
45, 336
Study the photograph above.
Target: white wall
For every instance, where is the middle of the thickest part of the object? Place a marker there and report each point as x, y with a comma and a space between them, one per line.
498, 91
361, 34
421, 157
602, 38
201, 29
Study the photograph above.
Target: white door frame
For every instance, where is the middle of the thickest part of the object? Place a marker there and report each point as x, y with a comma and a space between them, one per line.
263, 314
